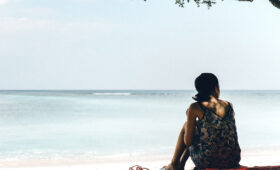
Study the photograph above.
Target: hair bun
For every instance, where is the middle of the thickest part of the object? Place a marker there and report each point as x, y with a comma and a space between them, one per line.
201, 97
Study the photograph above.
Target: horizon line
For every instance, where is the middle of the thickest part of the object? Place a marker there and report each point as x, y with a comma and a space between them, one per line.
132, 90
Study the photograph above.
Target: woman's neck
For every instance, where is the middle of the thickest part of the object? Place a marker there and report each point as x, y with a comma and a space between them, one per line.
213, 99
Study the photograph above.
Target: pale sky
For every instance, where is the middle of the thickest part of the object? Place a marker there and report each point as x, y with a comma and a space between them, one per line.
132, 44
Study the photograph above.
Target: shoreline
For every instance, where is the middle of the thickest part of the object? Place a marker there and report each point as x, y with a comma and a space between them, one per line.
249, 157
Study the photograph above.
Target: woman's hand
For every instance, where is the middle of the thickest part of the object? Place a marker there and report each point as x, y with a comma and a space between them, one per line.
169, 167
172, 167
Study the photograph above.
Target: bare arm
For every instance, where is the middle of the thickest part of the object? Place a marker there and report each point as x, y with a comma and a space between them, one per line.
181, 153
190, 125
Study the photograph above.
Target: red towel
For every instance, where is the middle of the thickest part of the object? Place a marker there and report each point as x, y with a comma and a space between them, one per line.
253, 168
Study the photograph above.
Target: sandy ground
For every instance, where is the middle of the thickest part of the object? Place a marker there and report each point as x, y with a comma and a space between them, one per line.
250, 157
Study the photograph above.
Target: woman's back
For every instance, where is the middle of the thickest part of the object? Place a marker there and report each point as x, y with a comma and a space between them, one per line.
209, 135
215, 143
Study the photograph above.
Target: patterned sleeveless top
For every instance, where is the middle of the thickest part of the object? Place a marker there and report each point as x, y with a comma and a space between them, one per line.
215, 143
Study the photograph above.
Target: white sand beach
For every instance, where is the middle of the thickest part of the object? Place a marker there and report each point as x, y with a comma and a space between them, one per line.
250, 157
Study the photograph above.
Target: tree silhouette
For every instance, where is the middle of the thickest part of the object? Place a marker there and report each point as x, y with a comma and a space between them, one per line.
275, 3
209, 3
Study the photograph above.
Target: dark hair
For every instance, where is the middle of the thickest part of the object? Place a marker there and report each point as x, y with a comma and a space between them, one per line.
205, 85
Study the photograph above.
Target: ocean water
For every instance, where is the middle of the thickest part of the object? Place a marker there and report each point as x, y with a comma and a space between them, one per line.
78, 124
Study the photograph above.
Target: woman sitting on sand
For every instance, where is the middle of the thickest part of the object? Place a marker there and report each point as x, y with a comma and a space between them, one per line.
209, 136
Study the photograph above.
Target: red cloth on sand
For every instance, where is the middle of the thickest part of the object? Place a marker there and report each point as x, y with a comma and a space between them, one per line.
253, 168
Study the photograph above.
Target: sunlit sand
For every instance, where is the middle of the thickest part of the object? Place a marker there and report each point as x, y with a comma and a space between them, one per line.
250, 157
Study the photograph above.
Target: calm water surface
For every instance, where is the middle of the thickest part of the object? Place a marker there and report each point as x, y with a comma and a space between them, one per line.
55, 124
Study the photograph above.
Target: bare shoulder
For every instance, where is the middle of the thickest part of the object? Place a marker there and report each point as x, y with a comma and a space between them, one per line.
194, 108
225, 103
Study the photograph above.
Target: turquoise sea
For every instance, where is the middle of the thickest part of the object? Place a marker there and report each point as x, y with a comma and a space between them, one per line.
88, 123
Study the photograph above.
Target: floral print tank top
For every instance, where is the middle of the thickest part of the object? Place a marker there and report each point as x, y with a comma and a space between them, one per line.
215, 143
